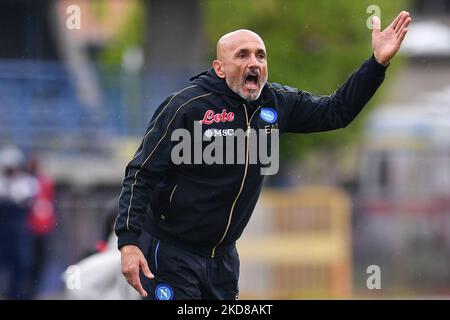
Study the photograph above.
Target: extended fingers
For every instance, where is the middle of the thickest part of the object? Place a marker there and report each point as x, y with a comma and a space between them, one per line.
396, 20
402, 34
403, 19
146, 269
131, 273
136, 283
403, 27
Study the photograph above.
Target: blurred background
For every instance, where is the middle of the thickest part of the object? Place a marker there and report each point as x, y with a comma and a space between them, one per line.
80, 79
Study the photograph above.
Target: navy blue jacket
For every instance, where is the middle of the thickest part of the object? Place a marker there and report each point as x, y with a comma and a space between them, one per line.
204, 208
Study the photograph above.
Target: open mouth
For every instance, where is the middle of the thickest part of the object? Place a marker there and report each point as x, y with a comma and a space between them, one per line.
251, 80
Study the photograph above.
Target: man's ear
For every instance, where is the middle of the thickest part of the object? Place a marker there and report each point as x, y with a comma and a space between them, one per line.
218, 68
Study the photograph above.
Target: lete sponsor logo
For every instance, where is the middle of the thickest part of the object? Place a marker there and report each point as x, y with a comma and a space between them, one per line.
210, 117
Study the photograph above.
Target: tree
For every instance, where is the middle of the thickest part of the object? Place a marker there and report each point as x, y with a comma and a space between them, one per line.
312, 45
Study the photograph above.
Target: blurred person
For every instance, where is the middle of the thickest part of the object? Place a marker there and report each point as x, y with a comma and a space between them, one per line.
41, 221
83, 281
99, 277
183, 220
17, 191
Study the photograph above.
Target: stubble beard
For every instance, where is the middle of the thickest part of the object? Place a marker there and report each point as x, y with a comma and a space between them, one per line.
252, 95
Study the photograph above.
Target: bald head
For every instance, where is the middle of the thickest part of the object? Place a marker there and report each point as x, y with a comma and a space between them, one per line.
228, 42
242, 62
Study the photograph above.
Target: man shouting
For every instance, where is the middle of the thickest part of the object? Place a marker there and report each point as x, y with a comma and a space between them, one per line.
178, 221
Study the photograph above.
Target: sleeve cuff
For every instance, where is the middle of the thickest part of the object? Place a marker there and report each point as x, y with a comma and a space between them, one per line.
127, 238
377, 67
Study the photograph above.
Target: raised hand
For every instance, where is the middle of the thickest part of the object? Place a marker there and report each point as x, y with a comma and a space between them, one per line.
385, 44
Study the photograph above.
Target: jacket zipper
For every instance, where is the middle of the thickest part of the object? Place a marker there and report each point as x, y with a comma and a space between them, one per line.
247, 151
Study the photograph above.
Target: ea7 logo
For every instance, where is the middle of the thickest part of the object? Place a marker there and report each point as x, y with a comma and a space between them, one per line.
218, 132
268, 129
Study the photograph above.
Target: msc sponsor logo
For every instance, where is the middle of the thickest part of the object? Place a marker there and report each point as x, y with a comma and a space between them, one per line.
209, 133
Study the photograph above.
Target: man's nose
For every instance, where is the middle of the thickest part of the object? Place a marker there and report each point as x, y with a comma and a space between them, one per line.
253, 63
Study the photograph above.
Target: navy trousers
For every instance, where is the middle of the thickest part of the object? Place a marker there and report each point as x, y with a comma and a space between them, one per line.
182, 275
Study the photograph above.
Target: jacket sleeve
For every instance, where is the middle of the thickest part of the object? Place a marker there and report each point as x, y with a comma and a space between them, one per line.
149, 164
310, 113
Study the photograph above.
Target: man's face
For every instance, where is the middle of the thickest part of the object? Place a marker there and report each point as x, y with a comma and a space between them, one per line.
243, 64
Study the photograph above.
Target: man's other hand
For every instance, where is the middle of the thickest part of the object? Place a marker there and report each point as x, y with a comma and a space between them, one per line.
385, 44
132, 262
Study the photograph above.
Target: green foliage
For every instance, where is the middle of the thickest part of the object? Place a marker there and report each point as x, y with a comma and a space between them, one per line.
312, 45
131, 33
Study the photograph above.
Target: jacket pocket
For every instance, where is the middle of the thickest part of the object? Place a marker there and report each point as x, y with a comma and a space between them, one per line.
162, 259
171, 194
167, 202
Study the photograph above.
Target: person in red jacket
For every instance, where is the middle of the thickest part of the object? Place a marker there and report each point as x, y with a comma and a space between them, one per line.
41, 220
